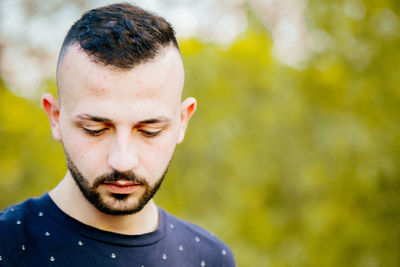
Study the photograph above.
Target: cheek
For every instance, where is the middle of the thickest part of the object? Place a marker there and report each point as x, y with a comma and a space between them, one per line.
160, 156
89, 157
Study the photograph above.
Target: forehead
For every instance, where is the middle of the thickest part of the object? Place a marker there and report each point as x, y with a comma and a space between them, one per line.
82, 84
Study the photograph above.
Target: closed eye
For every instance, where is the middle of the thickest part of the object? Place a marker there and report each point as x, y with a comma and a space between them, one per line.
150, 133
94, 132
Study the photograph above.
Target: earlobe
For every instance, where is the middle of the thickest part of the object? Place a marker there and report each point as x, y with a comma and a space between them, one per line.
51, 107
188, 107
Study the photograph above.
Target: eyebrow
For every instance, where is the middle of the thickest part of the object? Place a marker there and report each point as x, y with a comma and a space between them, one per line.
92, 118
161, 119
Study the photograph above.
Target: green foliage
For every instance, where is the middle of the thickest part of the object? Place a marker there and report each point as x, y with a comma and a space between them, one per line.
289, 167
30, 162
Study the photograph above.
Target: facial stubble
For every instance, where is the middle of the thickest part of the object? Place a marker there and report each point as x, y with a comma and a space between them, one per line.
91, 193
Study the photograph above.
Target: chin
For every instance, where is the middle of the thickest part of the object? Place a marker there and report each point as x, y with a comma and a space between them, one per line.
120, 204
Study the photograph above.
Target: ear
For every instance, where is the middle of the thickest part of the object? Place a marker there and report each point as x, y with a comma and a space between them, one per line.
188, 107
51, 107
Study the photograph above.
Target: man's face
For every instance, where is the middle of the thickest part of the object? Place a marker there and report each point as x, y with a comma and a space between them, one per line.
119, 128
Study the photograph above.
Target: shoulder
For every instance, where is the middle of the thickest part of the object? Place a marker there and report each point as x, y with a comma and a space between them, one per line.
12, 234
13, 228
193, 231
199, 241
11, 218
19, 216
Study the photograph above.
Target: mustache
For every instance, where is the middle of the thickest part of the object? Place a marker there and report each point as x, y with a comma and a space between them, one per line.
116, 176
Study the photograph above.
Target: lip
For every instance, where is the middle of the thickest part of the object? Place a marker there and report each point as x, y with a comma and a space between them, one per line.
121, 187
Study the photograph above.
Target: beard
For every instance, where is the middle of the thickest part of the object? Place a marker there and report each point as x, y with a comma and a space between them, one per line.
114, 204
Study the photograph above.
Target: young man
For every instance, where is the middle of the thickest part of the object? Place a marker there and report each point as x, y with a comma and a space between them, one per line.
119, 117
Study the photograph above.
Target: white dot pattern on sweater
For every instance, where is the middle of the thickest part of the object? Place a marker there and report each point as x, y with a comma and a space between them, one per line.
113, 255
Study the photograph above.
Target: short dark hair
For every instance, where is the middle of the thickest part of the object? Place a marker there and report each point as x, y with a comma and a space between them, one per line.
120, 35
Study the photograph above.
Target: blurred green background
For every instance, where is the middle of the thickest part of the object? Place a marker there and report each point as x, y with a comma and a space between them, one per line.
290, 166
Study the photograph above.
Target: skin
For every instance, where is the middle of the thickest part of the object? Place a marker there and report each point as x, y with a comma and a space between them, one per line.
144, 121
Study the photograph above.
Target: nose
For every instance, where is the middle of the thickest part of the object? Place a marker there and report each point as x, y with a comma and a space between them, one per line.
122, 153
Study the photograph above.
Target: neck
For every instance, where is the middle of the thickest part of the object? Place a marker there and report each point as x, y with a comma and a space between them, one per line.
71, 201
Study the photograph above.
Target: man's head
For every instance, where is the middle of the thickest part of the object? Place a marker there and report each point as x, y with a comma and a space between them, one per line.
120, 80
120, 35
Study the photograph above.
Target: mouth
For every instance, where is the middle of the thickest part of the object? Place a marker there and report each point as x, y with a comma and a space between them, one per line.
121, 187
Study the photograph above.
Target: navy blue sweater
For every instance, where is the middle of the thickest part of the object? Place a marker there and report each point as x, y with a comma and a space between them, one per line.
37, 233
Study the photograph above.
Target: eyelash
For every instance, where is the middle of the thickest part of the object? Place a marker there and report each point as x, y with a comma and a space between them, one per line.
94, 132
99, 132
150, 134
